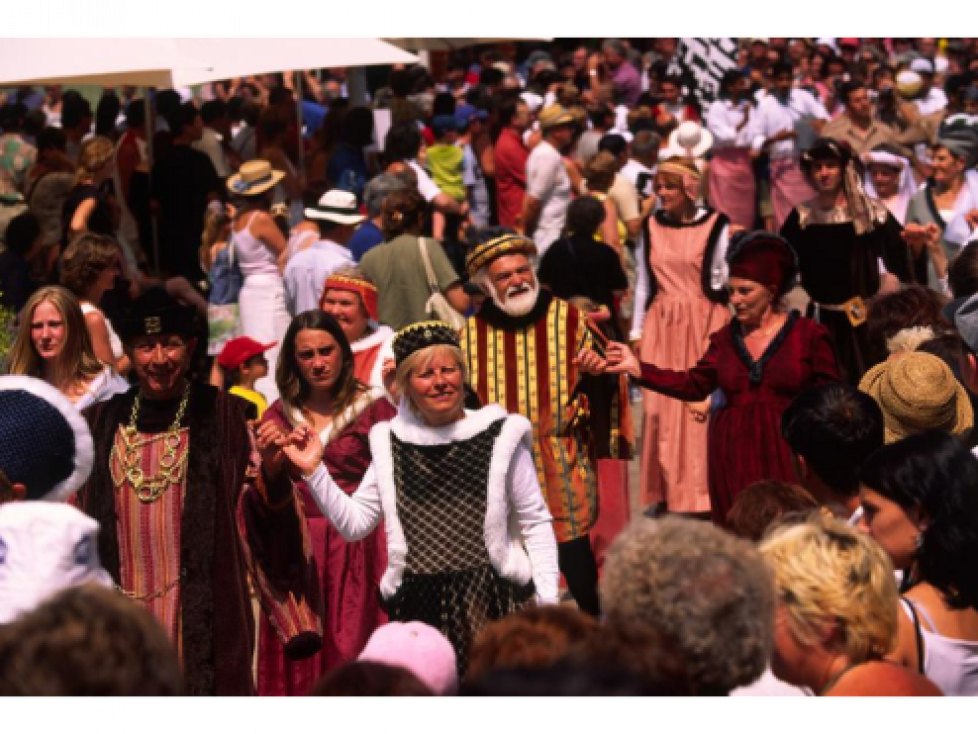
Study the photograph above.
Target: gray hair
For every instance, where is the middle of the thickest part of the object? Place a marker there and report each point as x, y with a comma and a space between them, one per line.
379, 189
707, 591
646, 144
614, 44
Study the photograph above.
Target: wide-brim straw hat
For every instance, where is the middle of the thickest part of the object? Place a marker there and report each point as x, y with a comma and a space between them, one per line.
918, 392
253, 178
554, 116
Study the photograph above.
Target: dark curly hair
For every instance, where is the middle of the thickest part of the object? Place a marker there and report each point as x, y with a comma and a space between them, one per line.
935, 474
85, 259
915, 305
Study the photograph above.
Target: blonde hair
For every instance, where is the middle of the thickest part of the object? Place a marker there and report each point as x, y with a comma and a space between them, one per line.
76, 362
600, 172
95, 154
828, 574
419, 361
217, 224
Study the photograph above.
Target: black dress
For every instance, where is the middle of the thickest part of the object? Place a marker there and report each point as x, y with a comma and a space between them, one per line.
449, 581
836, 265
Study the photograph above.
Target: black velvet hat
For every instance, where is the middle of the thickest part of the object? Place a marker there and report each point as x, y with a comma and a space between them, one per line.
423, 334
156, 312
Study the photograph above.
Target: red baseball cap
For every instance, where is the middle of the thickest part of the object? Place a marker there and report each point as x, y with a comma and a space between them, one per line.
239, 350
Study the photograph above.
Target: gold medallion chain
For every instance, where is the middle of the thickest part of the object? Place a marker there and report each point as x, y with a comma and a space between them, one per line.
172, 463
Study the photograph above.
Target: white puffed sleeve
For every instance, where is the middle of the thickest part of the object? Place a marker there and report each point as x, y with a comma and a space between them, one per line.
354, 516
535, 522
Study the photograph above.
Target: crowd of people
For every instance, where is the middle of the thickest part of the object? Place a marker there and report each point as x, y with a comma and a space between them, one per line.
315, 396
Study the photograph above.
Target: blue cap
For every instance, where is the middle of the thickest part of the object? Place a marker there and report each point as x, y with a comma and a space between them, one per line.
443, 124
466, 112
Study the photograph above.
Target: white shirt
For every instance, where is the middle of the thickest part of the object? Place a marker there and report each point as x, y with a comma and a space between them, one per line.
640, 175
547, 182
772, 117
305, 275
210, 143
426, 187
723, 118
719, 272
934, 101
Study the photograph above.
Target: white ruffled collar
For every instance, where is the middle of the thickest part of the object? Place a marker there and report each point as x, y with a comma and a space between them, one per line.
408, 427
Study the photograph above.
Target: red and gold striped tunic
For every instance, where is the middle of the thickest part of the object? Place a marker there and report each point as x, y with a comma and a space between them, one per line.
531, 371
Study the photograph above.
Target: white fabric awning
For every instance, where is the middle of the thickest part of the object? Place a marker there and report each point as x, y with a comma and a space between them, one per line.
450, 44
235, 57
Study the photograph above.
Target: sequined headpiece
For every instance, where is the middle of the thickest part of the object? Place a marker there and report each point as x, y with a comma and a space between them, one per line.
421, 335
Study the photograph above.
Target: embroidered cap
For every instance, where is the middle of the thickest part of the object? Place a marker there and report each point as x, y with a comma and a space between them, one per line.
510, 244
156, 312
45, 444
421, 335
361, 286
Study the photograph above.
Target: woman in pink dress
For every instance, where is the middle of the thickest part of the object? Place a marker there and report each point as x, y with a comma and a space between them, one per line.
679, 302
316, 380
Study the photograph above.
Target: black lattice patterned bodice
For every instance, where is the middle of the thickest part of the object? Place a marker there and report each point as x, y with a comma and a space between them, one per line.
441, 500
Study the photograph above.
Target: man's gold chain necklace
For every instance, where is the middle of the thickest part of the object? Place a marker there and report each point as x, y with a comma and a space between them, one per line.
172, 464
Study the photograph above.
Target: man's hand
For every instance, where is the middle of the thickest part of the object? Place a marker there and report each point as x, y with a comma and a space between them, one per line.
269, 438
590, 362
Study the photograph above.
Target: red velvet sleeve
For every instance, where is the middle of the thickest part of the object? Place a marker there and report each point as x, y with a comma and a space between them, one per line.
825, 369
694, 384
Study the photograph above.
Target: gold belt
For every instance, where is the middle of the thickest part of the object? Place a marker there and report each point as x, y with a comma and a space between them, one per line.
854, 309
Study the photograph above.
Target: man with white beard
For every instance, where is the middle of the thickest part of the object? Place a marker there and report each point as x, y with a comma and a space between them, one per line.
523, 351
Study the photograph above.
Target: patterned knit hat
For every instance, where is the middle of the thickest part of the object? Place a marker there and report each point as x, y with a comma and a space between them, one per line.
509, 244
424, 334
45, 444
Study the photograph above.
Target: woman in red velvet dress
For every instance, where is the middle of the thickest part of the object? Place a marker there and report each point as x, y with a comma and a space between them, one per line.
316, 380
761, 360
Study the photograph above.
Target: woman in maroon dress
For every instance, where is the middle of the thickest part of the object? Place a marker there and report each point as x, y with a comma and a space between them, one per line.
761, 360
316, 381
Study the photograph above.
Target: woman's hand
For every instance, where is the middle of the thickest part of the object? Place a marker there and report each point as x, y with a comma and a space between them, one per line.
304, 450
700, 411
932, 241
388, 372
915, 235
621, 360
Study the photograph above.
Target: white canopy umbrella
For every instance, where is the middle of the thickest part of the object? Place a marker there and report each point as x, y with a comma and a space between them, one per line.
451, 44
228, 58
138, 62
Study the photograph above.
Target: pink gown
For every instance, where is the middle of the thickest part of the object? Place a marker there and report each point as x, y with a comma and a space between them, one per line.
675, 335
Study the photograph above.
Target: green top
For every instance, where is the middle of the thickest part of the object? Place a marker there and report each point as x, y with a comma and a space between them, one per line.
396, 268
445, 164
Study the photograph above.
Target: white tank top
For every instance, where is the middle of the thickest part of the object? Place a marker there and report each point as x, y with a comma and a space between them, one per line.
114, 341
950, 663
254, 256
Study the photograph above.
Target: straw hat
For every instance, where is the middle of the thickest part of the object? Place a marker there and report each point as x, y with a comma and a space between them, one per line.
555, 115
254, 177
918, 392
